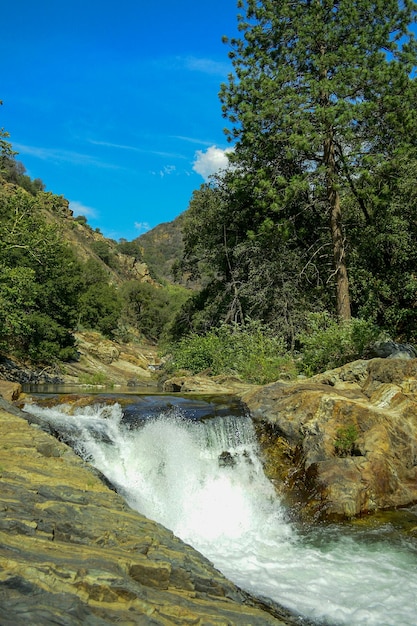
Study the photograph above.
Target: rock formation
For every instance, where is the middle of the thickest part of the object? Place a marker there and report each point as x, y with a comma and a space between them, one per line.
343, 443
73, 553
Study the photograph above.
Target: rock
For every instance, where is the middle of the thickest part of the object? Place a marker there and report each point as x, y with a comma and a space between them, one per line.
14, 371
9, 390
210, 385
135, 269
73, 553
393, 350
106, 362
343, 443
100, 362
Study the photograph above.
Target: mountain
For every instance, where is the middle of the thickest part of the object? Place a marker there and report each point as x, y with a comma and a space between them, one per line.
162, 249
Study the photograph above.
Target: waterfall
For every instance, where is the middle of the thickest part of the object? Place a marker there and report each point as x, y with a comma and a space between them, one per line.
203, 480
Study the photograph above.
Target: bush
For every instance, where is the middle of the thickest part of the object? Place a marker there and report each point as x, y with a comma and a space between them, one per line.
47, 341
345, 440
100, 308
327, 344
252, 352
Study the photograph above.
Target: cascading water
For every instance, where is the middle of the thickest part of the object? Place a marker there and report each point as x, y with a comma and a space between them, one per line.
204, 481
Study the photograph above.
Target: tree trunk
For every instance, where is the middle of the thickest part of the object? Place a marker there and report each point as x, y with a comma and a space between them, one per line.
333, 198
339, 254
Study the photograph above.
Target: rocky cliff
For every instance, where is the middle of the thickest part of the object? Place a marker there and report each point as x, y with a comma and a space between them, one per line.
343, 443
73, 553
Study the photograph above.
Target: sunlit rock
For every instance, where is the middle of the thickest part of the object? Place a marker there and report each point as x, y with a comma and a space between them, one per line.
72, 552
343, 443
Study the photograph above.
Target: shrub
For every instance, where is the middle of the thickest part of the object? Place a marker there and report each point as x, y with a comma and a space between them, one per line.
252, 352
94, 379
345, 440
327, 344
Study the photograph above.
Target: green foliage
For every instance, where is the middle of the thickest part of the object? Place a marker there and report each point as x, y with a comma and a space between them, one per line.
39, 282
131, 248
81, 219
253, 353
48, 340
161, 248
252, 265
15, 172
100, 306
95, 379
322, 95
104, 252
151, 308
383, 250
327, 344
345, 441
7, 153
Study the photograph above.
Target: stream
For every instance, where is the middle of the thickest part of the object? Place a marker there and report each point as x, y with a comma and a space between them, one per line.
194, 466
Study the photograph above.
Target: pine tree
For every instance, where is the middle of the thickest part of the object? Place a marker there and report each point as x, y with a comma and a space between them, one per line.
325, 86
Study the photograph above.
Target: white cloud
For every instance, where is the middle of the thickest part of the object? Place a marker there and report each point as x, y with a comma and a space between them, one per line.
66, 156
168, 169
119, 146
142, 227
212, 161
207, 66
80, 209
191, 63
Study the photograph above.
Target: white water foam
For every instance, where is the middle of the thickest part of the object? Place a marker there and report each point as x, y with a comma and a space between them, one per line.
176, 472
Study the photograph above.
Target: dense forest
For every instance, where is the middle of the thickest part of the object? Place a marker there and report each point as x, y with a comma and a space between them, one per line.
297, 257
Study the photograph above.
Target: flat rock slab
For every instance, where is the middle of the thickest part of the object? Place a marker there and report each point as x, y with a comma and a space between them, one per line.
72, 552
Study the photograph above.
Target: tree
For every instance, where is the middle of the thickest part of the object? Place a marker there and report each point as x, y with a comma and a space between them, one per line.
39, 282
383, 257
250, 267
6, 150
321, 97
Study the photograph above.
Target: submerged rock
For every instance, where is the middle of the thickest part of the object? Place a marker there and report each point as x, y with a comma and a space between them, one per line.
73, 553
343, 443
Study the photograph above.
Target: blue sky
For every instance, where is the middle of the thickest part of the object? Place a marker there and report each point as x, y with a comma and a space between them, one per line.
115, 105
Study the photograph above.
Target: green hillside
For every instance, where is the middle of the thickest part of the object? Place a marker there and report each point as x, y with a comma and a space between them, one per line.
58, 275
162, 248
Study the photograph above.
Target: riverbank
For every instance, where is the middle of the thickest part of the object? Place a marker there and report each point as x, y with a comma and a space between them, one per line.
72, 552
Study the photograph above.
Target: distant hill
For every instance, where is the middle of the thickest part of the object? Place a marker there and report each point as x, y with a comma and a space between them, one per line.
162, 247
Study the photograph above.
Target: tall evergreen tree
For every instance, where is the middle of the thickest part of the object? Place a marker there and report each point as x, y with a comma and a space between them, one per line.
321, 96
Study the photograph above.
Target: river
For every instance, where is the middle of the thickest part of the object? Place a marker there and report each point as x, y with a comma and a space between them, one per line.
195, 468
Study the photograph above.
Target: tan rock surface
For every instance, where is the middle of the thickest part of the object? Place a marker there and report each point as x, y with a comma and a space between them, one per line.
201, 384
10, 391
343, 443
73, 553
111, 363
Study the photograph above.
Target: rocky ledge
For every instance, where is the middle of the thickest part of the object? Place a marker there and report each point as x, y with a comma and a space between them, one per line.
73, 553
343, 443
101, 362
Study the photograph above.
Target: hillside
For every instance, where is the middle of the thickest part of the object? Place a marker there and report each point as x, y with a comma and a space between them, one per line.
162, 248
59, 278
91, 244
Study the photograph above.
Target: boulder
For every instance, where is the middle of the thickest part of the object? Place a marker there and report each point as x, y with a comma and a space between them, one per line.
344, 443
392, 350
9, 390
207, 385
72, 552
